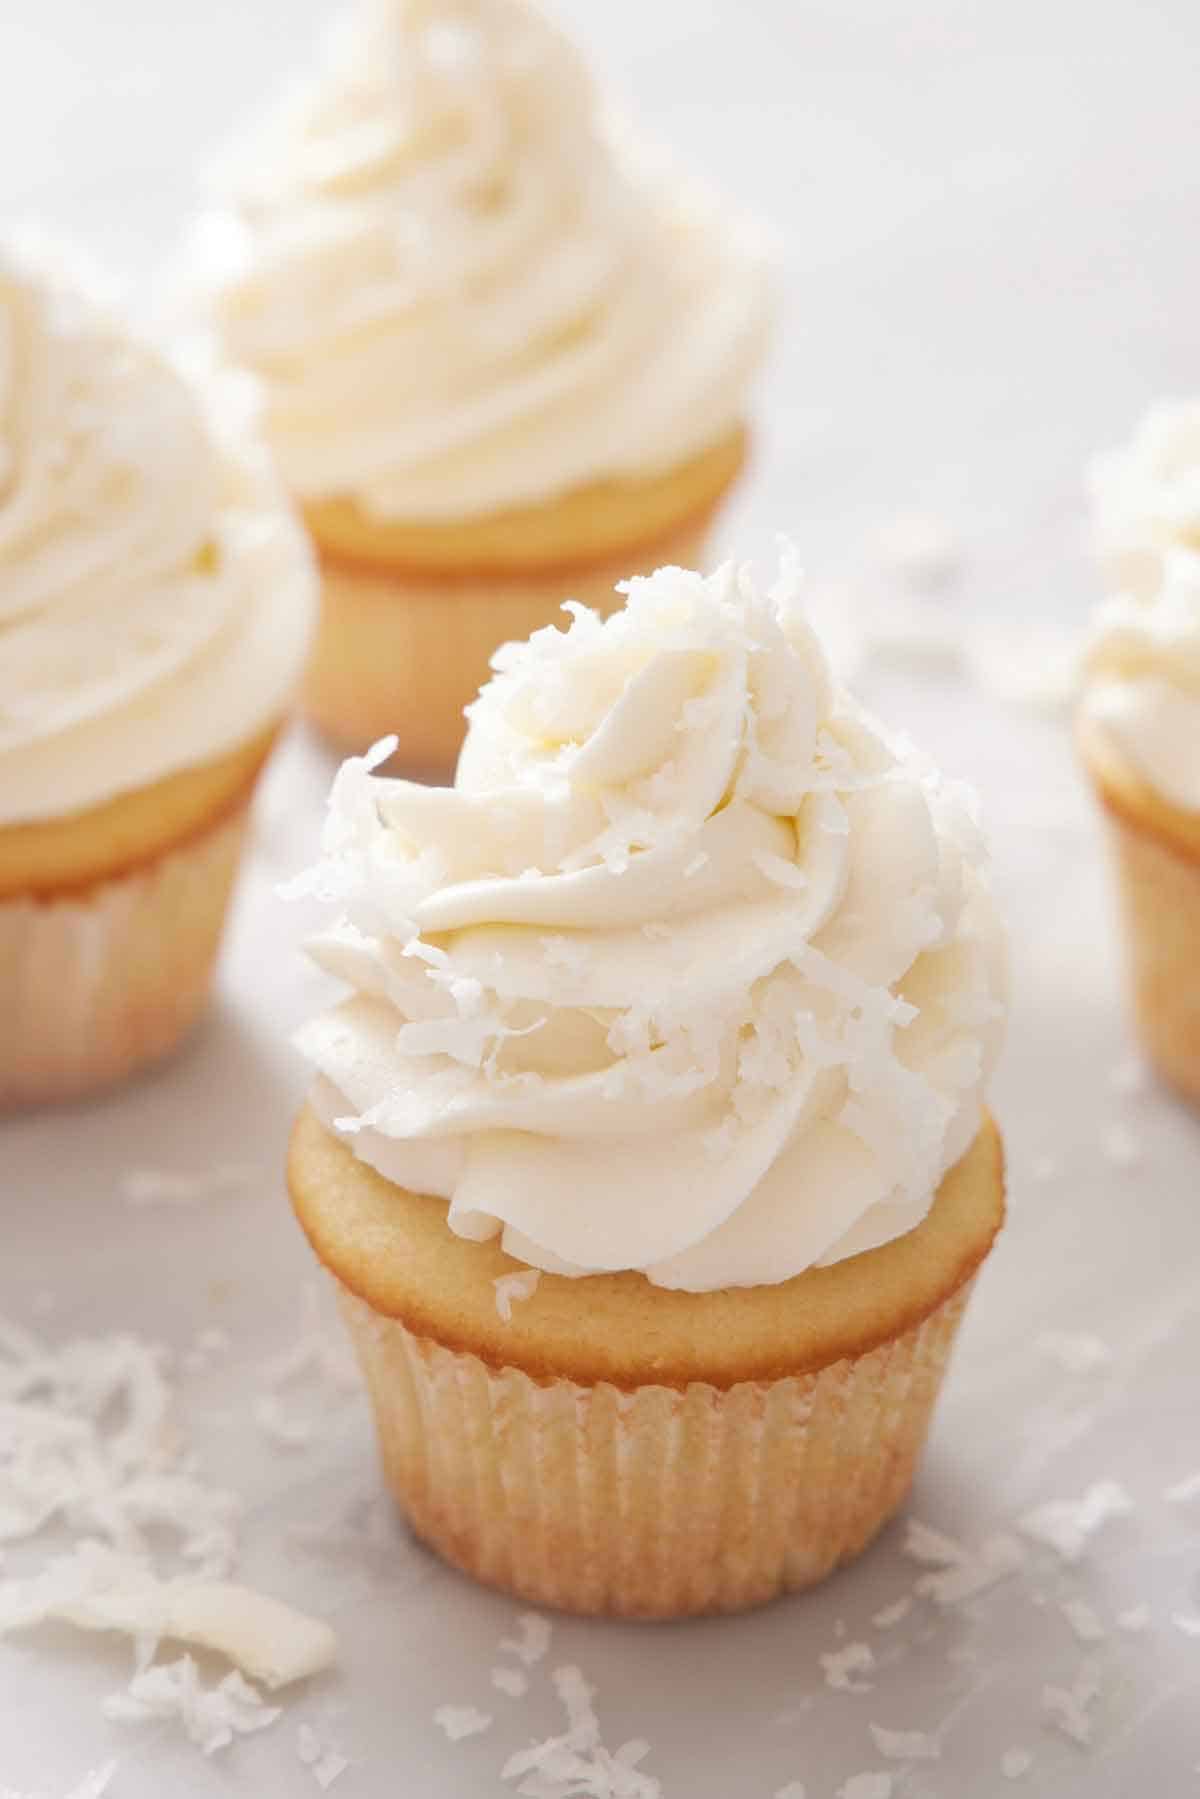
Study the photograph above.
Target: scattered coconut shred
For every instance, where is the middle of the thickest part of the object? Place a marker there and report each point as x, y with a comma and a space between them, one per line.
88, 1443
511, 1288
93, 1786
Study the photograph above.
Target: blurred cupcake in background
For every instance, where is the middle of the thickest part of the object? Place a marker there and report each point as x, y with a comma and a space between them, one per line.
1146, 497
156, 604
1139, 734
504, 353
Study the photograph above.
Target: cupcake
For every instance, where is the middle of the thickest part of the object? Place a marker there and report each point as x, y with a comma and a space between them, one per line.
647, 1153
1139, 735
156, 600
1146, 497
503, 352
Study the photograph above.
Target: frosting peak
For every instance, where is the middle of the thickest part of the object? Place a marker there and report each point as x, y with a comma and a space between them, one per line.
155, 592
692, 972
461, 288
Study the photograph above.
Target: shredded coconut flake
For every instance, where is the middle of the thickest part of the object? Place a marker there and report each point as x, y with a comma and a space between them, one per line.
793, 1790
94, 1785
282, 1428
1077, 1352
511, 1681
1015, 1763
532, 1641
866, 1786
958, 1573
889, 1615
511, 1288
210, 1716
1067, 1525
1187, 1622
1183, 1490
1129, 1077
461, 1721
906, 1745
1067, 1708
841, 1666
87, 1439
1136, 1619
576, 1765
1084, 1620
97, 1589
321, 1758
1120, 1146
162, 1187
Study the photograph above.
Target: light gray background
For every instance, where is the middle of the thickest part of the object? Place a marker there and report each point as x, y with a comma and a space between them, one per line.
991, 265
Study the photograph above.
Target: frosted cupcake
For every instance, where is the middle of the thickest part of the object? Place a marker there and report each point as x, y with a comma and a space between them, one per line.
504, 356
156, 602
1146, 497
1139, 733
647, 1152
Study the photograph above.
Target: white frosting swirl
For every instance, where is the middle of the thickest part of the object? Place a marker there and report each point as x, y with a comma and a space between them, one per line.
156, 592
692, 971
1146, 495
461, 291
1143, 680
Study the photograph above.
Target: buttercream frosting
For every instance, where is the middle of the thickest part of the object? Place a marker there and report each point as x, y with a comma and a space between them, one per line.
1142, 671
1146, 495
694, 970
156, 592
461, 285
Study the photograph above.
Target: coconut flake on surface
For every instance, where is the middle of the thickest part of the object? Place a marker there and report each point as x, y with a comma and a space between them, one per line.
298, 1383
794, 1789
956, 1572
1181, 1491
164, 1187
1015, 1764
1067, 1525
842, 1666
461, 1721
282, 1428
512, 1288
576, 1765
532, 1641
324, 1762
89, 1441
1187, 1622
1076, 1352
1067, 1708
210, 1716
1129, 1077
1084, 1620
1120, 1146
1135, 1620
98, 1589
905, 1745
866, 1786
513, 1681
94, 1785
890, 1615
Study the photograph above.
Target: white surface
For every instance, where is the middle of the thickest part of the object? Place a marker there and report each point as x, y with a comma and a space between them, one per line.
992, 266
